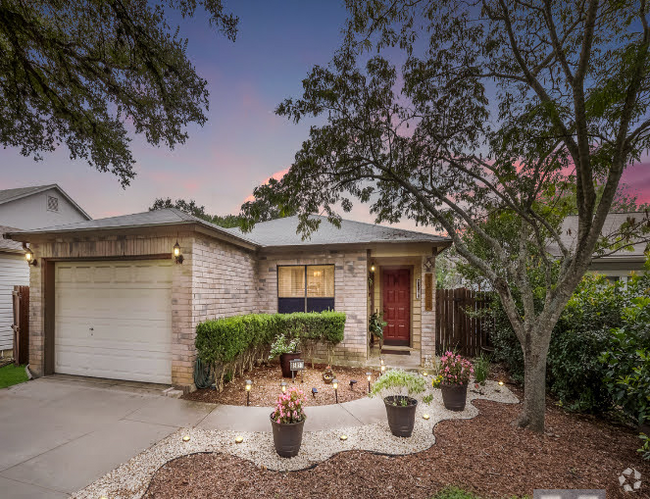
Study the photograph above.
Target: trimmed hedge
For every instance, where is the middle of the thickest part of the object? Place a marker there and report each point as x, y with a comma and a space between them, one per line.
223, 340
232, 345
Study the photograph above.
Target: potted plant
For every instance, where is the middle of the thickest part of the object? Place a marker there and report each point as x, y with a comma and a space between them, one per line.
456, 372
398, 389
376, 325
287, 350
288, 420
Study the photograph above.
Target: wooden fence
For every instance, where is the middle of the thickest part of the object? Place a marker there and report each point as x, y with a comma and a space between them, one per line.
21, 324
456, 329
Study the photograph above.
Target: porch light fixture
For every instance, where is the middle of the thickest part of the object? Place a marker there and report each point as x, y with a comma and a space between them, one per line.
29, 256
239, 439
372, 267
249, 385
335, 385
368, 377
177, 252
283, 387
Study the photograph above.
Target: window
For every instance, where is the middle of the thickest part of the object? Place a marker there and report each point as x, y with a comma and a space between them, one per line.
305, 288
52, 203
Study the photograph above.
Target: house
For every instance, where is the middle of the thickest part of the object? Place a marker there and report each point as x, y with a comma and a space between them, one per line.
26, 208
615, 265
110, 299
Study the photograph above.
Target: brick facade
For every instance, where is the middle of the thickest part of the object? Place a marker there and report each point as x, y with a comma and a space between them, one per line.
350, 292
219, 279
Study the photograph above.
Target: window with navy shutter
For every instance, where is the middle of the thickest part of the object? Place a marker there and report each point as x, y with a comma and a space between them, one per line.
305, 288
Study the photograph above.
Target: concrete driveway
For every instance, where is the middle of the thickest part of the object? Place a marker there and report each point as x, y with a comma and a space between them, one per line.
60, 433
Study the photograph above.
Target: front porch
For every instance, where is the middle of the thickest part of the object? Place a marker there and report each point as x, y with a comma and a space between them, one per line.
401, 287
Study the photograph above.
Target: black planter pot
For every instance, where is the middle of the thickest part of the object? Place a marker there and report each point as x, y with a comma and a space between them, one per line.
401, 418
284, 363
287, 437
454, 396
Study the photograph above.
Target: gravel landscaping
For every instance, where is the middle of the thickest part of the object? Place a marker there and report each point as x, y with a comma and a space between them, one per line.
266, 386
486, 456
131, 479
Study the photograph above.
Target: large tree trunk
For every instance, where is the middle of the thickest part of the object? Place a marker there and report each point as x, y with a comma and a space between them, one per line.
535, 353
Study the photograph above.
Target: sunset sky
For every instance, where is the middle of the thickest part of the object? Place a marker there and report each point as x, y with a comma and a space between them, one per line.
244, 142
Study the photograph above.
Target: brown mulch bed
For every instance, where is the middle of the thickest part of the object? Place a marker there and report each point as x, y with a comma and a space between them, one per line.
485, 455
266, 386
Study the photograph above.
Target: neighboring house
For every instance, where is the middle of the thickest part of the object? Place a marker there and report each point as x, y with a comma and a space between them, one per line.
26, 208
616, 265
115, 304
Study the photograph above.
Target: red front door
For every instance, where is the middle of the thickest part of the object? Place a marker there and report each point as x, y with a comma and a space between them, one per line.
396, 285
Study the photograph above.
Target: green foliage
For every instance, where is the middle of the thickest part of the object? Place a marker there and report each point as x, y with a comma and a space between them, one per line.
12, 375
454, 493
645, 448
281, 345
588, 365
376, 324
400, 383
75, 72
482, 368
627, 360
223, 340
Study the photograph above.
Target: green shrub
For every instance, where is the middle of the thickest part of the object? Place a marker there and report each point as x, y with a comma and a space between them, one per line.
482, 368
223, 340
627, 361
574, 372
645, 448
399, 383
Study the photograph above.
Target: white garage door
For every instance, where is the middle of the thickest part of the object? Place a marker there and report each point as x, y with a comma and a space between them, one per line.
113, 320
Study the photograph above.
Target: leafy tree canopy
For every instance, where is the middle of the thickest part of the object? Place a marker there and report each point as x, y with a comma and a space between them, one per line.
500, 108
74, 72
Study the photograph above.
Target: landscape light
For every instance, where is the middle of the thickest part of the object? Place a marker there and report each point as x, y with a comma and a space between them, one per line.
239, 439
343, 438
314, 391
382, 369
352, 383
335, 385
283, 386
186, 438
368, 377
249, 385
500, 383
425, 372
425, 416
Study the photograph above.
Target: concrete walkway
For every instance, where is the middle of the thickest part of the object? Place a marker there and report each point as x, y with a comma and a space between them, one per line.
60, 433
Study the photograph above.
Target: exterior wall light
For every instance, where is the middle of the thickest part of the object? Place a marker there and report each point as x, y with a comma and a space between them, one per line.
372, 267
29, 256
177, 253
249, 385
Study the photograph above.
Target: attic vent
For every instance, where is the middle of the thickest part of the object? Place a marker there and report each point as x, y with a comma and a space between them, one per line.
52, 203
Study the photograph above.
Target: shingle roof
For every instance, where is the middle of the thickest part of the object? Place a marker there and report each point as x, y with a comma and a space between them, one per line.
613, 222
7, 245
156, 218
8, 195
282, 232
275, 233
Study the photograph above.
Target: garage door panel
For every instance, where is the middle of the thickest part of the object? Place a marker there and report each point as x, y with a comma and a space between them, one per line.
113, 320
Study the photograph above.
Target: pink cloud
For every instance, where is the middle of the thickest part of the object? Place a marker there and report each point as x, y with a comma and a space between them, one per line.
637, 177
277, 176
